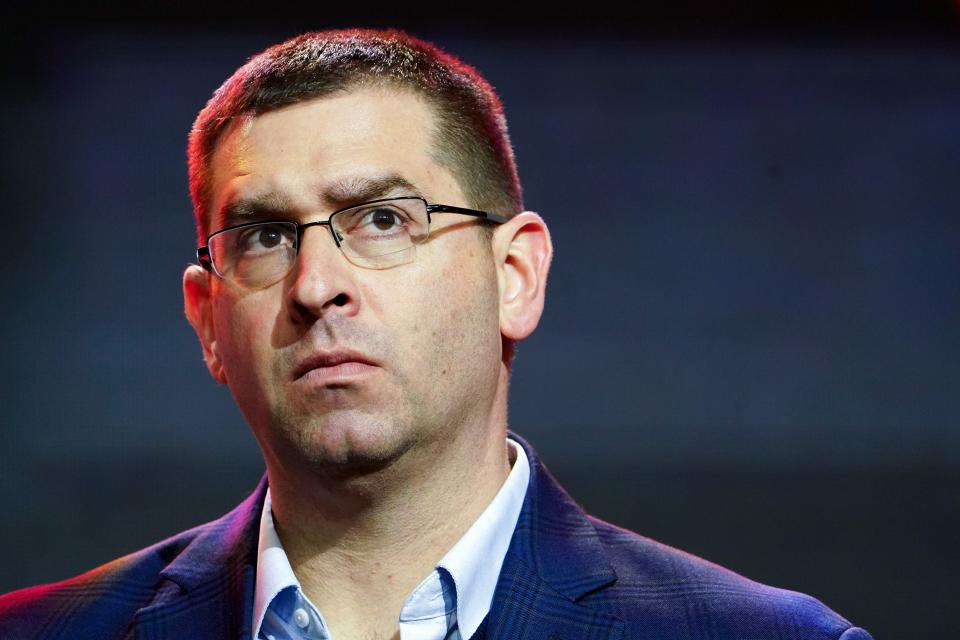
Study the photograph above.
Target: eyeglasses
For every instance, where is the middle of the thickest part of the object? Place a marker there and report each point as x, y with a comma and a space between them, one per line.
376, 235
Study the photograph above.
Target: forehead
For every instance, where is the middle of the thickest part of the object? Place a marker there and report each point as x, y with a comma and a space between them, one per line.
305, 153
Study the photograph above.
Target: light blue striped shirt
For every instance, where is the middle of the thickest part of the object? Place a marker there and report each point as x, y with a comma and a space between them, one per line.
449, 604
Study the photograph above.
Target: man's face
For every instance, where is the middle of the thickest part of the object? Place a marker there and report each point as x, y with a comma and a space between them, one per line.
337, 365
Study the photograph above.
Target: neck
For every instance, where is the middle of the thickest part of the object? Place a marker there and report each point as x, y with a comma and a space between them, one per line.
359, 545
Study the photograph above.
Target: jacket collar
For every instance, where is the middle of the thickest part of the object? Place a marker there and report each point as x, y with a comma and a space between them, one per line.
208, 592
554, 561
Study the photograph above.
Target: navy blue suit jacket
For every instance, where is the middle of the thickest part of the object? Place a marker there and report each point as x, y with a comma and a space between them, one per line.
567, 576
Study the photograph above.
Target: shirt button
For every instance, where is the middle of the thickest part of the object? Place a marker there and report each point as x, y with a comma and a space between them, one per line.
301, 618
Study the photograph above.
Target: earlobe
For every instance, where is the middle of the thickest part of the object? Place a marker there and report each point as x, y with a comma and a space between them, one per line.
523, 250
198, 307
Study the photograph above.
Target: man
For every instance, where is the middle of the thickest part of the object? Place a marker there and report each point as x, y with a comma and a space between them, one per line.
366, 267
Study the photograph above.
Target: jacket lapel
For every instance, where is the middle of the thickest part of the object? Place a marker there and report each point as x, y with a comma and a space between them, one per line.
553, 562
207, 590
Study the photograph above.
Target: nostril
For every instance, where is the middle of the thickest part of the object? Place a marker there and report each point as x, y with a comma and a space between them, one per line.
340, 300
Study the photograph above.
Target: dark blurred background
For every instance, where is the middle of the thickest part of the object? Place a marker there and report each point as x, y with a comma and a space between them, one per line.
751, 331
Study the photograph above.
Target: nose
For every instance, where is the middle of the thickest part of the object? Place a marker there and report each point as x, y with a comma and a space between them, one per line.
322, 280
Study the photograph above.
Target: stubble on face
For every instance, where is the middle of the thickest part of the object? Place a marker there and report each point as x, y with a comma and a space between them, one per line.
436, 380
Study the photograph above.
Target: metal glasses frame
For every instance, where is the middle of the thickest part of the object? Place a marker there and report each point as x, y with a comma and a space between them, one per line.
205, 261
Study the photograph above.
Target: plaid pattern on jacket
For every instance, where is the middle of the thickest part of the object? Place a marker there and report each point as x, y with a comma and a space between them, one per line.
566, 576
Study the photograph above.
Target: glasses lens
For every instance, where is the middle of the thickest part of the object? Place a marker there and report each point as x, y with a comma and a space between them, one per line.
382, 234
254, 255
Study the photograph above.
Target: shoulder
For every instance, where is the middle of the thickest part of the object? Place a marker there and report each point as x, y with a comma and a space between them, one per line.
645, 587
104, 603
658, 586
101, 601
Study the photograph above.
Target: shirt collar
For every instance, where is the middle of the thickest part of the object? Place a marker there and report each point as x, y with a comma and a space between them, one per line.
473, 564
475, 561
274, 573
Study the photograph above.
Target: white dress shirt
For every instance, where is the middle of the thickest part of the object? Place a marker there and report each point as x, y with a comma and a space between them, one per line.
449, 604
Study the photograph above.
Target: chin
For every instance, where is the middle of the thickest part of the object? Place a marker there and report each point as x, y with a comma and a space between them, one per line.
348, 443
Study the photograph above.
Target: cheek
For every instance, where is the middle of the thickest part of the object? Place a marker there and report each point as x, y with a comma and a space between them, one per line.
243, 336
463, 320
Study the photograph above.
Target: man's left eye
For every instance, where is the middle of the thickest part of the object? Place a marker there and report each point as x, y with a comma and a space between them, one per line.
382, 219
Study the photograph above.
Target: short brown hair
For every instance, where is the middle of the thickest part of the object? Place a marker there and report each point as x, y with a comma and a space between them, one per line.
472, 140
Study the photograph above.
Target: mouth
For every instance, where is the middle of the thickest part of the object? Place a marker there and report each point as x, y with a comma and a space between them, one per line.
331, 366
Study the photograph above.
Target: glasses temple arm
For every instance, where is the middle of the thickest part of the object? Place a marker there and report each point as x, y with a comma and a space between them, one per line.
486, 215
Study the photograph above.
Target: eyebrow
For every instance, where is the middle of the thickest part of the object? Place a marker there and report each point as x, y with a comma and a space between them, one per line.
337, 195
349, 191
266, 206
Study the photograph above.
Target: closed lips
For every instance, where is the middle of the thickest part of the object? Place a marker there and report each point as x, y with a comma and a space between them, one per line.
330, 359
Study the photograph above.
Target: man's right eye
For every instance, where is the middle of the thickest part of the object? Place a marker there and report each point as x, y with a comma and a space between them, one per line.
261, 239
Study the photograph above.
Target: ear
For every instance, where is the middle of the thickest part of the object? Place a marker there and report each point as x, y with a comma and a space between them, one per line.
523, 250
198, 306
